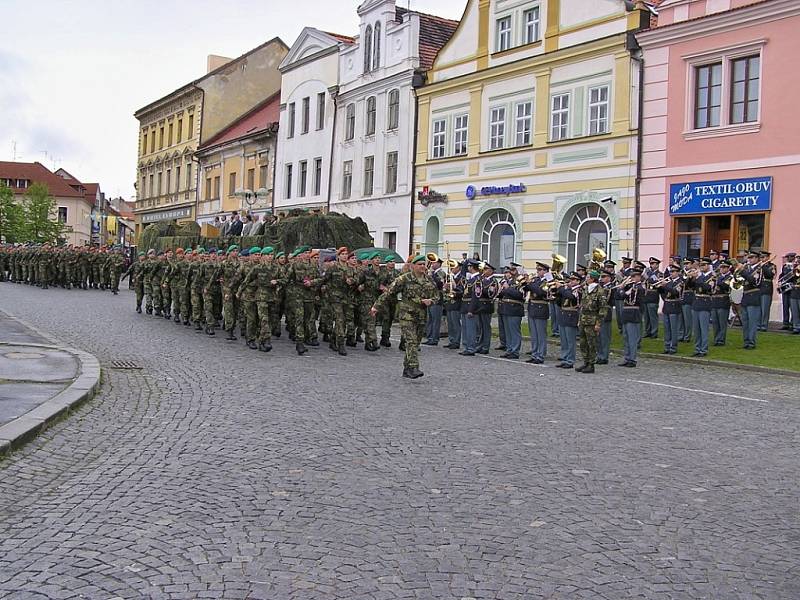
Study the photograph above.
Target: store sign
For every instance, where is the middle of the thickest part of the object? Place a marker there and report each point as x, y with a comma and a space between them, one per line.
427, 196
495, 190
167, 215
729, 196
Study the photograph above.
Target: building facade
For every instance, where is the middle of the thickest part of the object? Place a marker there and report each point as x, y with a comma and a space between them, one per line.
309, 84
528, 133
74, 200
376, 117
172, 128
243, 155
720, 163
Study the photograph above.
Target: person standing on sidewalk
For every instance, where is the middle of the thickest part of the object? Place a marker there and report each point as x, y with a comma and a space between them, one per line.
632, 295
593, 311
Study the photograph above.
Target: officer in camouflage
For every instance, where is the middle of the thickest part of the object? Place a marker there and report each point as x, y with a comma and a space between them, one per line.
593, 310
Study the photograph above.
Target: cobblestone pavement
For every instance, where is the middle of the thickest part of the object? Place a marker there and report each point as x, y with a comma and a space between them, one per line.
219, 472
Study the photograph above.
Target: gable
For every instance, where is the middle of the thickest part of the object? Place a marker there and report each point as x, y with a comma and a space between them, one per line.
309, 43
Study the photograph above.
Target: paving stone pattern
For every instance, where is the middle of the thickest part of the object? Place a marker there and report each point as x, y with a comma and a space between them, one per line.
219, 472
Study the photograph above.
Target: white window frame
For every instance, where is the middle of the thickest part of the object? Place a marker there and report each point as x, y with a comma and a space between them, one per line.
305, 117
439, 138
503, 33
321, 100
302, 179
317, 180
563, 115
393, 113
371, 115
350, 122
369, 175
288, 175
347, 179
461, 134
391, 172
523, 124
497, 127
292, 111
599, 123
536, 23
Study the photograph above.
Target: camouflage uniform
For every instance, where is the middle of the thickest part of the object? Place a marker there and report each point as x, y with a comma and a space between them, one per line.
231, 271
156, 274
369, 288
389, 308
303, 278
116, 263
179, 289
267, 296
211, 292
411, 312
166, 287
247, 294
593, 310
196, 285
136, 274
339, 279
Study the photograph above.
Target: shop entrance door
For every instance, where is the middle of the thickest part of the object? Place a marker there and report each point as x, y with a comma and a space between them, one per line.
718, 234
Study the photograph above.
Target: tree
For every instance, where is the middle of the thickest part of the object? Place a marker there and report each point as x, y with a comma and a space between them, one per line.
40, 221
11, 217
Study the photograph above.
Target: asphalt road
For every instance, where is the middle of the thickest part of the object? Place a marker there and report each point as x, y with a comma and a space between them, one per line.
219, 472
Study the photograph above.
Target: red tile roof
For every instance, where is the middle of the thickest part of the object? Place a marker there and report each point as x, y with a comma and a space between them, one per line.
434, 33
723, 12
342, 38
37, 173
260, 118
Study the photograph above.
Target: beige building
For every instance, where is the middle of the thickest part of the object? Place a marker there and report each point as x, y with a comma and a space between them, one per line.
173, 127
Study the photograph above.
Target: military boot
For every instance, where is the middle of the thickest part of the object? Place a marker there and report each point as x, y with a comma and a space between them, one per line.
198, 326
210, 330
149, 310
414, 373
588, 369
177, 318
402, 346
265, 346
341, 347
351, 342
139, 309
252, 345
581, 369
385, 341
301, 349
158, 312
231, 337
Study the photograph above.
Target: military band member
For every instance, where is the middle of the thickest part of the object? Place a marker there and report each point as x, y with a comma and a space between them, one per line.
713, 257
569, 301
511, 305
721, 303
751, 301
617, 277
469, 320
453, 293
433, 327
688, 300
794, 296
650, 300
671, 293
483, 307
632, 295
607, 282
768, 271
787, 270
703, 285
538, 313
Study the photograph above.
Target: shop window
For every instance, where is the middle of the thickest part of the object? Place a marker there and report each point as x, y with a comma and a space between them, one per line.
750, 232
689, 237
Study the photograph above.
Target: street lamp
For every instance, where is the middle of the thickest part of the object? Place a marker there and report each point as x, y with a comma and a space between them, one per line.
251, 198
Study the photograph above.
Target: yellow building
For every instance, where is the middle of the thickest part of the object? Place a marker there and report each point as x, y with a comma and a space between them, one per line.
173, 127
528, 133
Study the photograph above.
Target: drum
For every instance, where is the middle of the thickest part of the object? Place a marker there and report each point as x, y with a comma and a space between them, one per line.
737, 295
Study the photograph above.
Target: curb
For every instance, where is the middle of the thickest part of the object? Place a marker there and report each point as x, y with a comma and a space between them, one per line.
23, 429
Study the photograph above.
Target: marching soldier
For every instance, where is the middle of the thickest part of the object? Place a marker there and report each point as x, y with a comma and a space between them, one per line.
703, 286
538, 313
453, 294
593, 311
632, 295
569, 301
721, 303
751, 301
672, 293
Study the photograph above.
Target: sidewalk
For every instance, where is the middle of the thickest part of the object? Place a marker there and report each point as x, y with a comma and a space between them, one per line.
40, 380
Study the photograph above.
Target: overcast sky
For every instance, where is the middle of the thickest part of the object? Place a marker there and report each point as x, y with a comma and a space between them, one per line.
72, 72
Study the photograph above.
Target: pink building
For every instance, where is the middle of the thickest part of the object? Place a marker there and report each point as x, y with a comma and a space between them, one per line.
721, 138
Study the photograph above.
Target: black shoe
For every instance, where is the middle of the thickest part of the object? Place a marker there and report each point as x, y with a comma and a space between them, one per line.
623, 364
630, 364
567, 366
187, 323
276, 333
116, 293
534, 361
385, 342
582, 368
351, 342
198, 327
511, 356
588, 369
231, 337
342, 350
405, 373
252, 345
415, 373
359, 339
452, 347
167, 315
667, 352
483, 352
177, 319
501, 348
158, 312
601, 362
210, 330
314, 343
301, 349
326, 337
149, 310
402, 346
465, 353
139, 309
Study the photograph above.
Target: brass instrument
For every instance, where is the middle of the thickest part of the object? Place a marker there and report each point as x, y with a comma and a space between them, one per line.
622, 283
432, 257
598, 258
559, 262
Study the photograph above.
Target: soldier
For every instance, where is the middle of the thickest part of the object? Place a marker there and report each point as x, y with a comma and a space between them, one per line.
116, 263
721, 303
415, 291
632, 295
649, 302
247, 295
434, 325
211, 289
751, 302
453, 293
538, 312
593, 310
703, 285
483, 307
387, 314
136, 274
166, 284
511, 305
267, 276
785, 290
569, 300
44, 266
369, 291
768, 272
231, 272
196, 284
304, 278
338, 280
276, 311
469, 319
671, 293
604, 337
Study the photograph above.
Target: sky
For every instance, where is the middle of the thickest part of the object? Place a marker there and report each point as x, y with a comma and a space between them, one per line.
74, 74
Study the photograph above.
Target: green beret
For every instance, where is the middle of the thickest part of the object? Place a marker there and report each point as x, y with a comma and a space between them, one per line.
255, 250
232, 248
141, 253
279, 254
300, 250
296, 253
267, 250
594, 274
188, 251
201, 250
418, 259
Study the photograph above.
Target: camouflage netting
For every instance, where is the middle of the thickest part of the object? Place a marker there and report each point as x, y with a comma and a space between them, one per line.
318, 231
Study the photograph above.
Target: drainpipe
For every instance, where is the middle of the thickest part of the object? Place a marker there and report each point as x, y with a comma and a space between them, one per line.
417, 82
194, 158
638, 57
334, 91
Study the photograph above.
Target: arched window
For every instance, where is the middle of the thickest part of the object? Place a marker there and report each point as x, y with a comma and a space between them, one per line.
371, 114
590, 228
350, 122
376, 58
432, 229
393, 120
499, 238
367, 49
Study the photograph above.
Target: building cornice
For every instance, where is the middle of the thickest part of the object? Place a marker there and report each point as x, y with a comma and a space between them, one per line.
715, 23
398, 79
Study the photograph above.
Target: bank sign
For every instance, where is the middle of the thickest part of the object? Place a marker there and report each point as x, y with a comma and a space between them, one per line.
729, 196
495, 190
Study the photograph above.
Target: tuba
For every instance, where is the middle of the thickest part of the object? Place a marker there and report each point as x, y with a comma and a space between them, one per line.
559, 262
598, 257
432, 257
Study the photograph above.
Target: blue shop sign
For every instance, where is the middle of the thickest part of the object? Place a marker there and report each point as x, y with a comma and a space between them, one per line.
495, 190
731, 195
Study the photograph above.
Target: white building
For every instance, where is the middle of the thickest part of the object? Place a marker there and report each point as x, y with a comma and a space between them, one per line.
373, 163
309, 79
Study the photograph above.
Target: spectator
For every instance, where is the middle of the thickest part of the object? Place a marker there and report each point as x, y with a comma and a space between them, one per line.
224, 226
248, 226
236, 225
216, 223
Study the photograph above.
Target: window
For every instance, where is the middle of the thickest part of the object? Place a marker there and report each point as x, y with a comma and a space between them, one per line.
391, 172
350, 122
180, 131
708, 96
497, 128
317, 176
321, 110
376, 53
189, 176
62, 214
347, 179
169, 181
523, 123
532, 25
190, 133
169, 135
367, 49
144, 143
177, 179
143, 190
153, 141
288, 181
370, 115
503, 34
262, 176
304, 119
251, 179
151, 186
216, 188
160, 138
439, 135
598, 110
689, 236
390, 240
460, 135
559, 129
369, 172
231, 184
301, 185
160, 183
290, 128
394, 110
745, 75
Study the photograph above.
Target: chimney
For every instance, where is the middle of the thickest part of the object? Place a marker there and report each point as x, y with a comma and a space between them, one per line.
215, 62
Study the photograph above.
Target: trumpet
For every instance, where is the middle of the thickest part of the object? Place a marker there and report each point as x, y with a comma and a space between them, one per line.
628, 280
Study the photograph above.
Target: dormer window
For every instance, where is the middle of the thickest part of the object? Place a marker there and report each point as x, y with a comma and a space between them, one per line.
376, 58
367, 49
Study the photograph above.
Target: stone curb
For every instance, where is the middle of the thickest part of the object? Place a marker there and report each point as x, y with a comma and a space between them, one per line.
22, 429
